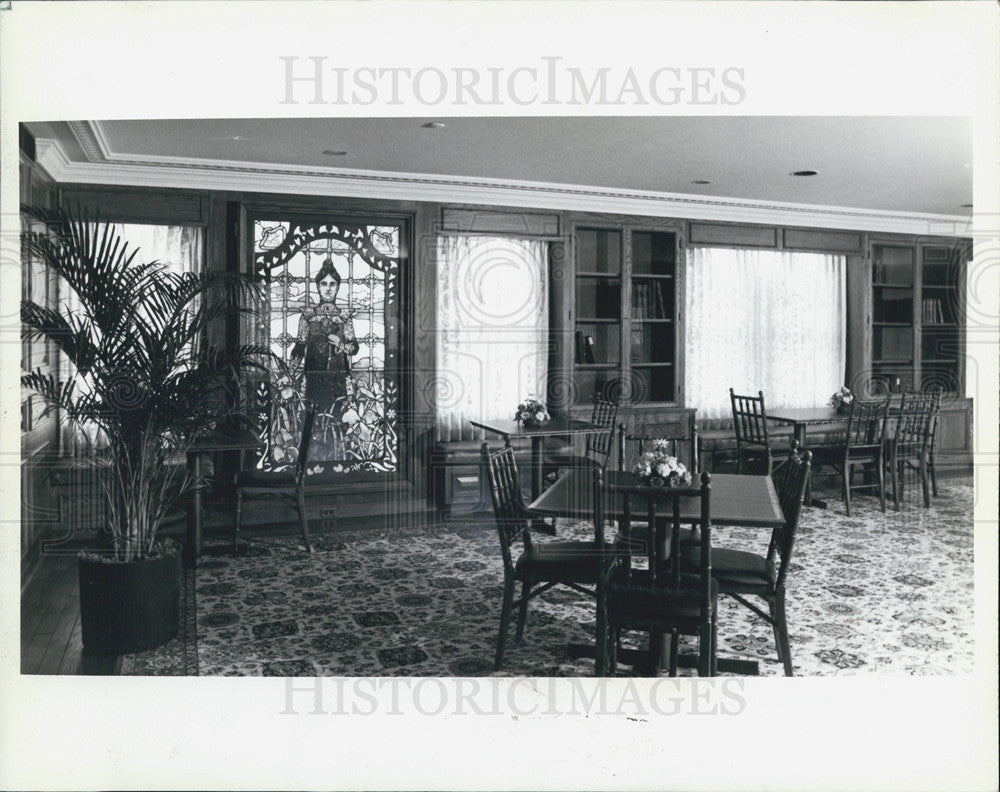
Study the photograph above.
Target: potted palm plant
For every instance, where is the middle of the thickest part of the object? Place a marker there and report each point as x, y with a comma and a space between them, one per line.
144, 380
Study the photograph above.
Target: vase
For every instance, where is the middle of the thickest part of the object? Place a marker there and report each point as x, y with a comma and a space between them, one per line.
129, 606
843, 409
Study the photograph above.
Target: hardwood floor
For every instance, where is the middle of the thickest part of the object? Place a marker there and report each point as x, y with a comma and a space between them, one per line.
50, 623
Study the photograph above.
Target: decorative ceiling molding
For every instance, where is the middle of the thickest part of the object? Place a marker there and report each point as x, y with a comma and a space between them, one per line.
91, 139
107, 168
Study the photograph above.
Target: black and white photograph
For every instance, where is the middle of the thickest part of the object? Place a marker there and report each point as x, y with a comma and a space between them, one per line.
426, 402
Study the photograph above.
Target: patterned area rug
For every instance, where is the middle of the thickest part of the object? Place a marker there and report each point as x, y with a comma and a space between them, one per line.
870, 593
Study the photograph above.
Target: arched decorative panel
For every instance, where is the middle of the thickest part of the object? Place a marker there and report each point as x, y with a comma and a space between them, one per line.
331, 320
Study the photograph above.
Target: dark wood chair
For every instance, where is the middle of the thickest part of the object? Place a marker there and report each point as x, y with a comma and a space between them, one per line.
540, 566
289, 485
740, 573
909, 448
599, 447
750, 426
682, 439
683, 445
658, 600
864, 447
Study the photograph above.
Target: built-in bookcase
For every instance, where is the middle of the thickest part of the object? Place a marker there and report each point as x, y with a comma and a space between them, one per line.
625, 314
917, 319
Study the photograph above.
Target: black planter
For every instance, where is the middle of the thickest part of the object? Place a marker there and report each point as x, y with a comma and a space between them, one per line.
130, 606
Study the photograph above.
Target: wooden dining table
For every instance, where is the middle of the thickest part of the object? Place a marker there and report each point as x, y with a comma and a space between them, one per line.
556, 426
801, 418
736, 500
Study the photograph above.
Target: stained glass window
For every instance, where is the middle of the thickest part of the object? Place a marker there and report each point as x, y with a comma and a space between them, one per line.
331, 323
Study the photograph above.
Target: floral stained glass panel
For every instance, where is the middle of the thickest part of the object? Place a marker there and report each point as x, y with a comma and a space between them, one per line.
331, 299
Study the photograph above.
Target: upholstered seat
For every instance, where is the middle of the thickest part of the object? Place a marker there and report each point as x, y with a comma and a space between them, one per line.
559, 561
736, 570
640, 600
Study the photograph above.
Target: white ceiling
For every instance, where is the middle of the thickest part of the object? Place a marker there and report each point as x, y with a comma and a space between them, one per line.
884, 164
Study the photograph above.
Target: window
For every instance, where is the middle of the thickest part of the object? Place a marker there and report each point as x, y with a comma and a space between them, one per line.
180, 248
332, 323
492, 329
763, 320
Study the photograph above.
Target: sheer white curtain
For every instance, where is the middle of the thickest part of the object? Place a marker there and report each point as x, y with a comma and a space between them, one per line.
763, 320
492, 329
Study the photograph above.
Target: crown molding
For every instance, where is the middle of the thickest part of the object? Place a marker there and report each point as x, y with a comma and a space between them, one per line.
200, 174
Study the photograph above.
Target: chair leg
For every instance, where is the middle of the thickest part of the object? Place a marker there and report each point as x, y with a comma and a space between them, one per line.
774, 626
739, 461
902, 483
845, 476
930, 466
785, 651
705, 649
505, 609
237, 514
522, 612
674, 650
601, 657
300, 502
925, 480
881, 485
894, 474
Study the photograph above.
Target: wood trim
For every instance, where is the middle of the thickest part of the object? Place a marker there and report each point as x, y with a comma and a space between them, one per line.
822, 240
496, 222
139, 204
727, 235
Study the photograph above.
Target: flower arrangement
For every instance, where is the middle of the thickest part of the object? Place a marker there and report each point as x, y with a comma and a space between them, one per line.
531, 411
657, 468
842, 399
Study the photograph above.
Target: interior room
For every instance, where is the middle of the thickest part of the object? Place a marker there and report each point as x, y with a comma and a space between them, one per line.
498, 396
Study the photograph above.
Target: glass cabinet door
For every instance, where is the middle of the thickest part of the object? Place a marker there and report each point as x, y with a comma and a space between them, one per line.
651, 345
892, 315
625, 319
597, 337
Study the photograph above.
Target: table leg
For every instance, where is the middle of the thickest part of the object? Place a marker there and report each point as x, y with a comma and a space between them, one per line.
537, 462
808, 499
537, 458
192, 549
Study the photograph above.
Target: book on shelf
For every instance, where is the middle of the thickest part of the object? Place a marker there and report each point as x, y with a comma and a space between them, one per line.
661, 308
932, 311
648, 302
585, 348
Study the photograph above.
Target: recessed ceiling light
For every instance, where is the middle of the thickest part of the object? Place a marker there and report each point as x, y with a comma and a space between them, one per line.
434, 125
334, 153
701, 181
804, 173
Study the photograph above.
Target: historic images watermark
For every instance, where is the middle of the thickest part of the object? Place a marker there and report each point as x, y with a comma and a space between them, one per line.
319, 80
518, 697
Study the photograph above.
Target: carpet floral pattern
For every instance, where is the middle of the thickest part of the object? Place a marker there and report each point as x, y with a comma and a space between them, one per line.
867, 594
